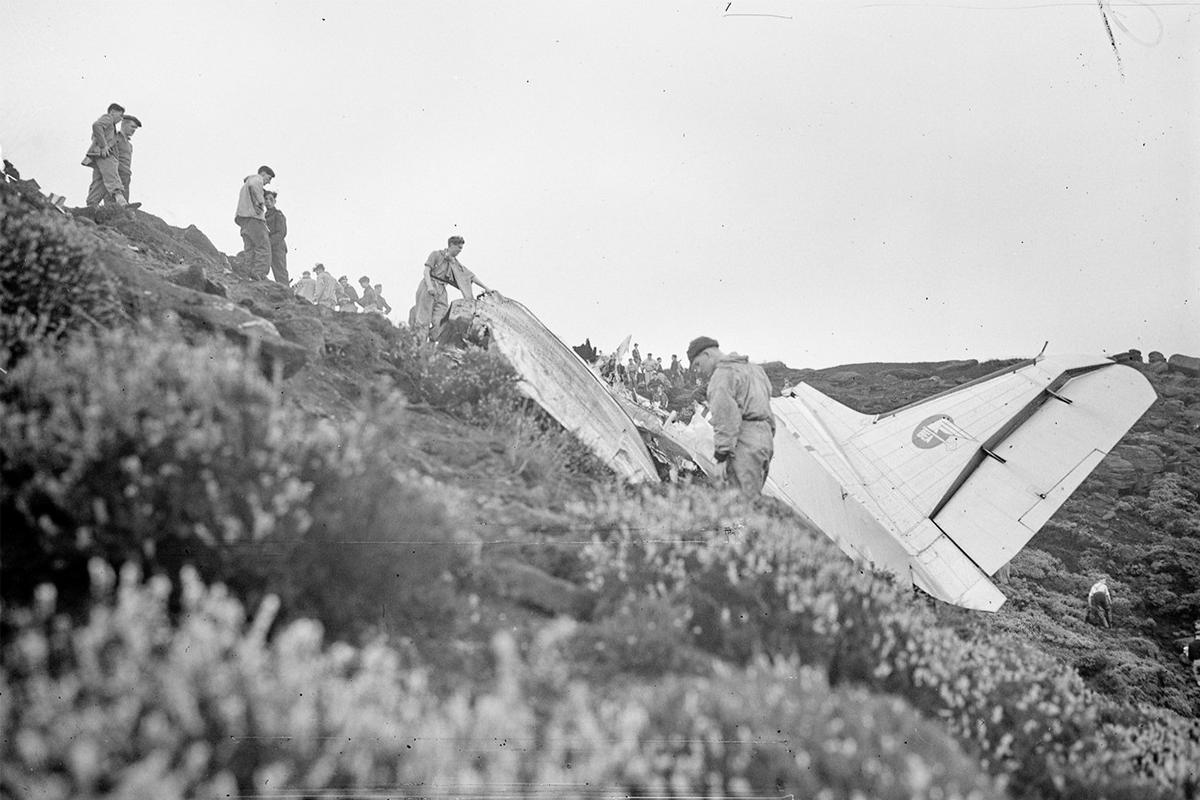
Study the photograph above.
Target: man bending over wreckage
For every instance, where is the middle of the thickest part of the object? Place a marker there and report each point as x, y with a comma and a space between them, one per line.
739, 397
442, 269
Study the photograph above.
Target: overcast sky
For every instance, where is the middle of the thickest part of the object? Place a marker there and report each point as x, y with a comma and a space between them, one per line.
814, 182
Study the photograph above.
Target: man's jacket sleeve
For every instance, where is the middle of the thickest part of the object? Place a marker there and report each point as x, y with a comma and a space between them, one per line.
98, 138
726, 416
256, 196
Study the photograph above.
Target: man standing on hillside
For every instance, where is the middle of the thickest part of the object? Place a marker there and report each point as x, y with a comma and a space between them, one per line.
276, 233
384, 307
251, 217
348, 300
124, 146
306, 287
442, 269
1191, 651
739, 398
102, 158
326, 288
1100, 601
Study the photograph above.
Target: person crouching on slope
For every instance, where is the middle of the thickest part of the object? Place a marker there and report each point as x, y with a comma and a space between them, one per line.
1100, 601
739, 398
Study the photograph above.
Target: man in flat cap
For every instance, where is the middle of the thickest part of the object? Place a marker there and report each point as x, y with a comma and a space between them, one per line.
277, 235
739, 399
251, 217
103, 159
124, 148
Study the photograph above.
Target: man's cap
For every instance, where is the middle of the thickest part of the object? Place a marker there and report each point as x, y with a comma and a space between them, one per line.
343, 278
364, 279
270, 193
699, 345
268, 170
319, 266
306, 272
133, 119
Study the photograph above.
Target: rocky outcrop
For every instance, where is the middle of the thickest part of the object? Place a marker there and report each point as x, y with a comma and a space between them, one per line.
531, 587
1186, 365
151, 296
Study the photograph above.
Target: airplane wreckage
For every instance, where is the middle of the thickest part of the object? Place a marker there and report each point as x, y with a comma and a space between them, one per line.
942, 492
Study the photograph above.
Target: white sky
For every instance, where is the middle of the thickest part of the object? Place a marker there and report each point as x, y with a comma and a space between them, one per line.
815, 182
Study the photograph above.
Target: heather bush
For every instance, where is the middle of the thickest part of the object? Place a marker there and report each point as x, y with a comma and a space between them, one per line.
50, 281
449, 379
131, 703
159, 452
752, 582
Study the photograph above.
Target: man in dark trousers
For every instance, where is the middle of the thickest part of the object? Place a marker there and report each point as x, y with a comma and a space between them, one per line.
276, 233
102, 158
129, 126
251, 217
1191, 651
739, 398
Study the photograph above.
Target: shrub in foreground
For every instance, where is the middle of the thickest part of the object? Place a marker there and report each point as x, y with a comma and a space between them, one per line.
755, 582
164, 453
133, 705
50, 281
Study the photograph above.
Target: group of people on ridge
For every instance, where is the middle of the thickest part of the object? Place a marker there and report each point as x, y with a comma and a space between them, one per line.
323, 290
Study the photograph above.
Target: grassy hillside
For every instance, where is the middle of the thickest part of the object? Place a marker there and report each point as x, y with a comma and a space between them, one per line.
254, 547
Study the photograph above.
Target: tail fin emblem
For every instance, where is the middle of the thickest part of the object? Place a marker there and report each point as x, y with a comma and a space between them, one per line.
937, 430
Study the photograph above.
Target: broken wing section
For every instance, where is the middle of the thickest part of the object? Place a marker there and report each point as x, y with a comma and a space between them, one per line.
556, 379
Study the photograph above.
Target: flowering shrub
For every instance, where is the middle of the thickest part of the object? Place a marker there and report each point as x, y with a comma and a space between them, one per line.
449, 379
164, 453
50, 282
749, 581
130, 704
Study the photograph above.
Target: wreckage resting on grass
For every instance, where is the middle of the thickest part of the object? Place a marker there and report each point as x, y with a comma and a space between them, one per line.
943, 492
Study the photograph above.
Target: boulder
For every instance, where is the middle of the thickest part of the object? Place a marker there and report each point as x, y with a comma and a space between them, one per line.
191, 277
1115, 474
845, 377
1155, 357
1135, 356
905, 373
1185, 365
532, 587
196, 238
308, 332
1146, 461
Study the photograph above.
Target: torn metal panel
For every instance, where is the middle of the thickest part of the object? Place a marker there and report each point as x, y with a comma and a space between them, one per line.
554, 377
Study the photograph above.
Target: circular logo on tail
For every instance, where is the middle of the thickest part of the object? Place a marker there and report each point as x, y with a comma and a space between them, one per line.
937, 430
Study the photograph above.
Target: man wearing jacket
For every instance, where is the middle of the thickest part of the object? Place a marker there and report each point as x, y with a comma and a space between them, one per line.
251, 217
326, 287
739, 398
442, 269
276, 233
102, 158
124, 147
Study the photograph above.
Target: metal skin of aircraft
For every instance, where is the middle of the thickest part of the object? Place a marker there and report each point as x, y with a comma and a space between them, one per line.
942, 492
947, 490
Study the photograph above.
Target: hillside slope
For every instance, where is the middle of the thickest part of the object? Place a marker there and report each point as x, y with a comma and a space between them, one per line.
696, 616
